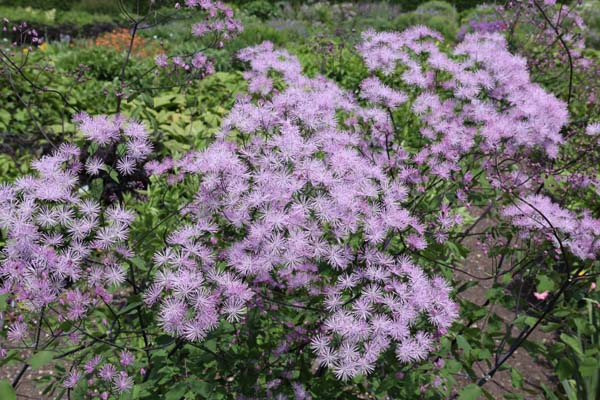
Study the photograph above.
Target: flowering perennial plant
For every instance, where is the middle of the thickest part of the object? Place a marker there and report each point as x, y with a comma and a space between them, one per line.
308, 199
538, 214
297, 207
304, 191
218, 26
63, 249
482, 99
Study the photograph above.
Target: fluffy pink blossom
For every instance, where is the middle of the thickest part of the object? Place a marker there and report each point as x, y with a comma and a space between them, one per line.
541, 296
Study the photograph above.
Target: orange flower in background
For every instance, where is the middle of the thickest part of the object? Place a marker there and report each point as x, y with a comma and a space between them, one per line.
120, 38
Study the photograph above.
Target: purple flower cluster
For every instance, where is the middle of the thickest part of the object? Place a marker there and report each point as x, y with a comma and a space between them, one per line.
538, 214
59, 253
480, 99
219, 22
307, 193
22, 33
104, 378
373, 90
484, 25
310, 195
108, 133
312, 213
64, 250
492, 100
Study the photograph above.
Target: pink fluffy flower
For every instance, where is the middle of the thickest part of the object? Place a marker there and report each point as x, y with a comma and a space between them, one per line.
541, 296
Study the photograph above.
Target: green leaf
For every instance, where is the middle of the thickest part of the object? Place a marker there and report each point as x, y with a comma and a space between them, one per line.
177, 391
6, 391
114, 175
138, 262
516, 378
494, 293
176, 147
549, 392
470, 392
3, 301
162, 101
453, 366
572, 342
568, 386
132, 306
211, 345
463, 344
4, 116
40, 359
589, 367
11, 355
545, 284
201, 388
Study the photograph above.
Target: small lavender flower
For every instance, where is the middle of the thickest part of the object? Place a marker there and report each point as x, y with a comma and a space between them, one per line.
72, 379
107, 372
122, 382
126, 358
161, 60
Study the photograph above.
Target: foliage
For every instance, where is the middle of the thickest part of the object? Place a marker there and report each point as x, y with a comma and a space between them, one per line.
446, 26
460, 5
262, 9
52, 16
578, 368
90, 6
590, 13
191, 276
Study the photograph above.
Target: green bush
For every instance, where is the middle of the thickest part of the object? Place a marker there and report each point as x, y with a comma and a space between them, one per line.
262, 9
460, 5
44, 5
437, 15
479, 13
590, 12
52, 17
110, 7
104, 63
317, 12
437, 8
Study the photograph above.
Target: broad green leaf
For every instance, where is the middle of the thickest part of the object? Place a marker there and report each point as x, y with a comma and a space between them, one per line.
516, 378
3, 301
177, 391
40, 359
453, 366
138, 262
162, 101
463, 343
470, 392
6, 391
545, 284
572, 342
589, 367
114, 175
